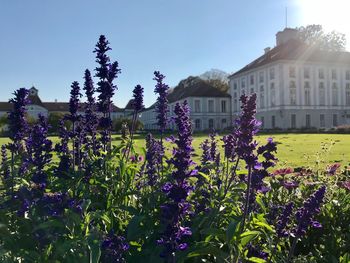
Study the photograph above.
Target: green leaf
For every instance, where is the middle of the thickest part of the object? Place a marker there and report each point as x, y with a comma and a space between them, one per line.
214, 232
95, 250
256, 260
134, 229
248, 236
214, 251
231, 230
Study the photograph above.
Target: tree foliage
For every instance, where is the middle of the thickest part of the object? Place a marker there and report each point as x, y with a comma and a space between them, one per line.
315, 35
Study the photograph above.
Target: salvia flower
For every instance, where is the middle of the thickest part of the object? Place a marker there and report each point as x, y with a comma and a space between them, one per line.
206, 154
152, 159
113, 248
310, 208
247, 127
283, 220
174, 212
18, 125
106, 72
162, 101
4, 165
74, 102
137, 102
39, 149
267, 151
213, 146
229, 146
90, 117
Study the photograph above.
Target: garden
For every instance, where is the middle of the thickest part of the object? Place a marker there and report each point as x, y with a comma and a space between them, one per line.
88, 196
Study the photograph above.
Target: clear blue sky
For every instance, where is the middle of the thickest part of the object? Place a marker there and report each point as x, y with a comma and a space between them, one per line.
49, 44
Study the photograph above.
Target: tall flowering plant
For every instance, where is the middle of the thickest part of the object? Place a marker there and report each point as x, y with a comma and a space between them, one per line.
175, 211
107, 72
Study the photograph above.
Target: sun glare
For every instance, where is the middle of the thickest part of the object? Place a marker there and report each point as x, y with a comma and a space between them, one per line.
331, 14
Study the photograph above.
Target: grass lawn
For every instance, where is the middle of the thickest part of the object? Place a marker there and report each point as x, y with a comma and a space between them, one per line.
293, 149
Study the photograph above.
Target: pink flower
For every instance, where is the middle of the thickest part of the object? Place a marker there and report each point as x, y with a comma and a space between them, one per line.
283, 171
346, 185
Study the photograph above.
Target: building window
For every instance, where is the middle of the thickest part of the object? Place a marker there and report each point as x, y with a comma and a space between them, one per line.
251, 90
197, 106
347, 94
273, 95
335, 120
198, 124
306, 73
347, 75
292, 72
273, 121
308, 121
262, 100
223, 106
262, 122
243, 83
223, 123
292, 93
322, 121
293, 121
334, 74
334, 94
272, 73
210, 105
235, 105
235, 85
211, 124
322, 94
307, 93
261, 76
251, 79
321, 73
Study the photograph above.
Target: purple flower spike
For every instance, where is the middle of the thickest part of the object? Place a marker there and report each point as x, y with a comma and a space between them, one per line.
305, 214
138, 98
175, 211
162, 101
18, 125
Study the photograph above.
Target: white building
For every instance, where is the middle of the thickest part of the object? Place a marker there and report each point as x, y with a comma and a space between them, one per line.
210, 107
297, 85
37, 107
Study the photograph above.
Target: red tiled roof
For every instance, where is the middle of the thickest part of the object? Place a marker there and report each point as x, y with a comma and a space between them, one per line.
297, 51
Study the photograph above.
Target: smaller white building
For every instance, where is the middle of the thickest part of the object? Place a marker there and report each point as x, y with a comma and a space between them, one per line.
210, 107
37, 107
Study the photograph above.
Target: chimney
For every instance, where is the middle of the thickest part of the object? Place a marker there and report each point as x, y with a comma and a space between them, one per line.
286, 35
267, 49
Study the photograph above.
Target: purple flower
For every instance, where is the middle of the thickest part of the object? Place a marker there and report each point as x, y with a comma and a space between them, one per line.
162, 101
267, 151
247, 127
290, 184
332, 169
175, 210
153, 159
18, 125
4, 165
284, 219
113, 248
213, 146
137, 102
229, 146
106, 72
39, 149
206, 154
90, 117
305, 214
74, 102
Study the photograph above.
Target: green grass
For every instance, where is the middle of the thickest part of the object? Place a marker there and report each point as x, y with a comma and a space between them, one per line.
293, 149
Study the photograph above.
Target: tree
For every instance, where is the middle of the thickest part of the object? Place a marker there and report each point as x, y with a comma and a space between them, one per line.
54, 122
314, 35
118, 124
219, 84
